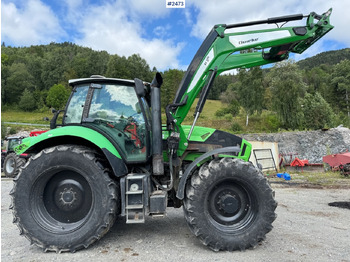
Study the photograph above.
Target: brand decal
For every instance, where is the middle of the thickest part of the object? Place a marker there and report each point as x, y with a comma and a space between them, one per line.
248, 41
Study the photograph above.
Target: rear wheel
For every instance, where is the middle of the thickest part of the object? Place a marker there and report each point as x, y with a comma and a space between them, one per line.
64, 199
229, 205
12, 164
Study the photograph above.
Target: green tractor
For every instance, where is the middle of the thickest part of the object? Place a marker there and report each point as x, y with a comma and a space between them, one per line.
10, 162
112, 155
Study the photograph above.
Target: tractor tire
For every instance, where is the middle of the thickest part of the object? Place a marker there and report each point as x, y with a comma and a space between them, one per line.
64, 199
229, 205
12, 165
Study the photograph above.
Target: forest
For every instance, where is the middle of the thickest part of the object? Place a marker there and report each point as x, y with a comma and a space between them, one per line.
309, 94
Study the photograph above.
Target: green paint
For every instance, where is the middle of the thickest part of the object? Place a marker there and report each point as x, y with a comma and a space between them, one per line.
224, 54
72, 131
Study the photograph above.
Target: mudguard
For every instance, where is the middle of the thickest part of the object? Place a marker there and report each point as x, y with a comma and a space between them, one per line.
73, 133
225, 150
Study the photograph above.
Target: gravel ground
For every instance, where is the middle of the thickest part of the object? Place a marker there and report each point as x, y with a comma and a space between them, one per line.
306, 229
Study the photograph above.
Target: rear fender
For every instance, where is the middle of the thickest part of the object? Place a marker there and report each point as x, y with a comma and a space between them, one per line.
75, 135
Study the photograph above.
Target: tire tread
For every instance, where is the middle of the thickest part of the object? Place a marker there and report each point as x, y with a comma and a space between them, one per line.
113, 203
192, 202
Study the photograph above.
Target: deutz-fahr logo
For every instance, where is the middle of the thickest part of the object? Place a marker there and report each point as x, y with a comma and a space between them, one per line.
248, 41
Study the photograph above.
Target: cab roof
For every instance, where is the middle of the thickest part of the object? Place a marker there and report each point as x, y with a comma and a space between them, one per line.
100, 79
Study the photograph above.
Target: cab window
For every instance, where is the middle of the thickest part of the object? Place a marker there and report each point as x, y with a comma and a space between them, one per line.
116, 110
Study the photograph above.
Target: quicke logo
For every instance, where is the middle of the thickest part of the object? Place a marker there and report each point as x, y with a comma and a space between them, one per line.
248, 41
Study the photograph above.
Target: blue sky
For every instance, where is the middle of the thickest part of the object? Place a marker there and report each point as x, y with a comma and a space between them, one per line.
166, 38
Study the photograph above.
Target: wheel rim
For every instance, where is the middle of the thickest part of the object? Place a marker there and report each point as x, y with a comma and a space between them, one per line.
61, 200
10, 165
231, 206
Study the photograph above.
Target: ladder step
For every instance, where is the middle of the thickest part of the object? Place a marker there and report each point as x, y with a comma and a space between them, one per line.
135, 207
133, 177
162, 215
134, 192
135, 216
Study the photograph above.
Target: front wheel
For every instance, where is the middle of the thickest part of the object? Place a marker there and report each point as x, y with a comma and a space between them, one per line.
229, 205
64, 200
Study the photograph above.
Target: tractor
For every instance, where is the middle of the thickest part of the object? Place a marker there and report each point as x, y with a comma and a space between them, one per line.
10, 162
112, 155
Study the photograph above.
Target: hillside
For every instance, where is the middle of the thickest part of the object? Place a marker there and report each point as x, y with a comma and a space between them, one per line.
328, 58
34, 78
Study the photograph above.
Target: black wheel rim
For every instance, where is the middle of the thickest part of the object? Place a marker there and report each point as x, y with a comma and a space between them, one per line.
231, 205
61, 200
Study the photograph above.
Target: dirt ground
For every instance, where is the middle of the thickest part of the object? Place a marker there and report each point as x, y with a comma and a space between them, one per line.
306, 229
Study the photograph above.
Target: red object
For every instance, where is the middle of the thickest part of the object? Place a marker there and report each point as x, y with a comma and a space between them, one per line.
36, 133
337, 160
298, 162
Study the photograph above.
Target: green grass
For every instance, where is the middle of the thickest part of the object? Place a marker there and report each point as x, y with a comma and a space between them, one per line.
22, 117
207, 117
314, 179
266, 122
25, 117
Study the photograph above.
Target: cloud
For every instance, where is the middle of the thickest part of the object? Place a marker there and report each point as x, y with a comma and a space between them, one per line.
162, 31
151, 9
73, 4
109, 27
33, 23
145, 26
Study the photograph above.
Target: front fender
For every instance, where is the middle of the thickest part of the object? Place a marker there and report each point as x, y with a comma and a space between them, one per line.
225, 150
68, 131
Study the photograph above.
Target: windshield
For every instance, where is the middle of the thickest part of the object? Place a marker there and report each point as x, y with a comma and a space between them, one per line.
12, 143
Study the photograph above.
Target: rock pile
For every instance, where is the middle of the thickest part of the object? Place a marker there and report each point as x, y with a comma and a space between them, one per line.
311, 145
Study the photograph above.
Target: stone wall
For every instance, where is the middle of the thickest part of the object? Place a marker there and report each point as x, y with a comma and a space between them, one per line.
311, 145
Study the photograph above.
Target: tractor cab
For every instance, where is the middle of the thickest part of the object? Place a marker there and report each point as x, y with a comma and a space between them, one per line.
113, 108
12, 142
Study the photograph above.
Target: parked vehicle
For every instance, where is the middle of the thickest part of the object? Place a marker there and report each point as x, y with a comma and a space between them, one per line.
10, 162
112, 156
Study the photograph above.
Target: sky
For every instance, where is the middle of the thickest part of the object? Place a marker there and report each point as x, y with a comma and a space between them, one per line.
165, 37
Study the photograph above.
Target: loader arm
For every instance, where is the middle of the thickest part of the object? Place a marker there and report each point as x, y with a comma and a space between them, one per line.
220, 52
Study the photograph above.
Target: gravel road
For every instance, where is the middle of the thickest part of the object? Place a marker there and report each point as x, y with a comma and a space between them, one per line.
306, 229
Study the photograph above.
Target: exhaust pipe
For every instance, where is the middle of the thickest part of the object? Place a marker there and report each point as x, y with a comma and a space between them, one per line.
157, 154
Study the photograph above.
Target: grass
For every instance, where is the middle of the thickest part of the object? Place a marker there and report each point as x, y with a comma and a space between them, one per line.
266, 122
207, 117
314, 179
22, 117
25, 117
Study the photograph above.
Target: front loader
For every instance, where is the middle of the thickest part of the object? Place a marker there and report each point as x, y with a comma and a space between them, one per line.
112, 155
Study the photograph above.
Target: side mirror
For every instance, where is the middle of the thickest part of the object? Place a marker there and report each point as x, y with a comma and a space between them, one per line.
53, 124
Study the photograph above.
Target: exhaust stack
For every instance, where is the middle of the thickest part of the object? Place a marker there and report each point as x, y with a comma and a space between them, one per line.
157, 161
